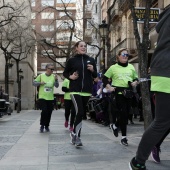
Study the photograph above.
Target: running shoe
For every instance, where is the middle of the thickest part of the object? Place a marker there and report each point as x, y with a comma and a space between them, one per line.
115, 131
73, 138
47, 129
155, 154
41, 129
66, 124
78, 142
71, 129
124, 142
134, 165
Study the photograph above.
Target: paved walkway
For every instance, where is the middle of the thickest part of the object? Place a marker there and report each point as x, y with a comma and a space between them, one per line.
22, 147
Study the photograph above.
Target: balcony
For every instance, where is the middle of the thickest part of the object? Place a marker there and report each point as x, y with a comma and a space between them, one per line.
87, 15
114, 14
123, 5
87, 11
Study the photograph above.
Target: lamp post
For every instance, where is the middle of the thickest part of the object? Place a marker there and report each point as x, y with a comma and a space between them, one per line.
19, 90
103, 33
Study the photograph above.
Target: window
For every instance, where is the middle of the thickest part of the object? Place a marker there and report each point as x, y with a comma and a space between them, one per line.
96, 9
33, 26
47, 52
47, 15
33, 15
63, 36
88, 1
64, 24
50, 40
32, 2
46, 28
61, 14
47, 2
89, 26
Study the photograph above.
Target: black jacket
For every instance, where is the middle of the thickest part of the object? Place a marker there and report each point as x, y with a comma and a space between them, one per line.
160, 65
78, 63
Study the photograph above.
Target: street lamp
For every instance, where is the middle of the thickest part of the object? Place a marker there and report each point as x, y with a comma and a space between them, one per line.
19, 90
103, 33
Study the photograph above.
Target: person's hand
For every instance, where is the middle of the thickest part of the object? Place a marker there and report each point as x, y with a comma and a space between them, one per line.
111, 88
42, 83
56, 77
90, 67
74, 76
135, 83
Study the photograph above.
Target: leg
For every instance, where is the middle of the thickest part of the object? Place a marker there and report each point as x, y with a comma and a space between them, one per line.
49, 112
78, 105
157, 129
68, 104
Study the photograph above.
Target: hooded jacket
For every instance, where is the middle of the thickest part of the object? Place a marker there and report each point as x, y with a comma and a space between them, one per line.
84, 82
160, 64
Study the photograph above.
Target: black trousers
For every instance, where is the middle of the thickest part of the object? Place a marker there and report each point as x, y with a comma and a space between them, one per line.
47, 107
80, 103
69, 108
123, 106
156, 131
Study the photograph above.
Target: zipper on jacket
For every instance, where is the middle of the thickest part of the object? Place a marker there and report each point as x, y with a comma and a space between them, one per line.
83, 73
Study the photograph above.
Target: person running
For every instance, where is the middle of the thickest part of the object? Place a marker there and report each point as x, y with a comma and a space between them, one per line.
123, 75
68, 104
80, 70
46, 82
160, 83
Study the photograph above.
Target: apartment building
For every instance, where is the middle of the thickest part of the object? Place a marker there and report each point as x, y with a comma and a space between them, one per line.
58, 25
121, 32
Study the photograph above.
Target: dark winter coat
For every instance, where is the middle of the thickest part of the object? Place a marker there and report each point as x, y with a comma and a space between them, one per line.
160, 65
78, 64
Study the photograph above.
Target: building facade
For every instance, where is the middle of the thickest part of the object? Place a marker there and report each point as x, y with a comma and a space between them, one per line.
23, 52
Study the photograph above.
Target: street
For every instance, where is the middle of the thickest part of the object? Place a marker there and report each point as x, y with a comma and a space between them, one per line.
22, 147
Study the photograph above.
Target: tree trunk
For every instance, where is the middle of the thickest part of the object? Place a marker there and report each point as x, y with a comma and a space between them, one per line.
142, 48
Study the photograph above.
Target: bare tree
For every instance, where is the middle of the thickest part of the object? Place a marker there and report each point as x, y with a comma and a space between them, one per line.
142, 47
66, 35
16, 39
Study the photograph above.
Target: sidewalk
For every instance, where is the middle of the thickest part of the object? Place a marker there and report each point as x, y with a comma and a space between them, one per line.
22, 147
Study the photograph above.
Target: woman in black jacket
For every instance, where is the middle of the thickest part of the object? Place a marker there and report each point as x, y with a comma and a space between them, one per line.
80, 70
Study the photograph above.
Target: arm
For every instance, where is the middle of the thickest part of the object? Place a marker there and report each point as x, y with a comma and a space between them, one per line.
66, 72
37, 82
56, 83
65, 89
92, 67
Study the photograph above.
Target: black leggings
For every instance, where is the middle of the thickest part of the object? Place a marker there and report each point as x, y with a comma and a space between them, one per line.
47, 107
156, 131
123, 105
80, 103
69, 107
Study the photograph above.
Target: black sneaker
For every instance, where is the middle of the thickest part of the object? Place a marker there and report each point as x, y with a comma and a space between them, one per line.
47, 129
124, 142
41, 129
115, 131
134, 165
78, 142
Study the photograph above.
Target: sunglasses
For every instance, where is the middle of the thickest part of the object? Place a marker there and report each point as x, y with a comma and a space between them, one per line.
51, 69
125, 55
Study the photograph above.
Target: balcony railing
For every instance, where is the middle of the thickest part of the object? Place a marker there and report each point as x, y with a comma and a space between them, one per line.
114, 14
